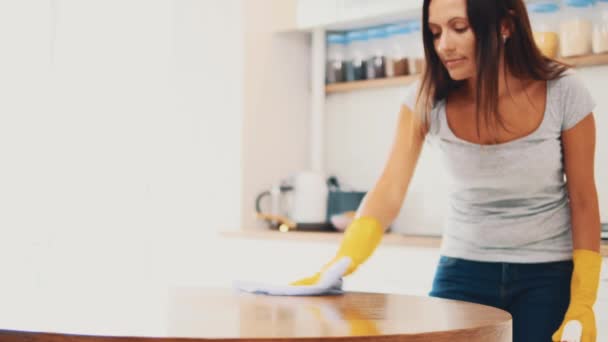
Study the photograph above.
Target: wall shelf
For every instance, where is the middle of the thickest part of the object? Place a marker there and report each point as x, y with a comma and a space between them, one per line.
579, 62
368, 84
587, 60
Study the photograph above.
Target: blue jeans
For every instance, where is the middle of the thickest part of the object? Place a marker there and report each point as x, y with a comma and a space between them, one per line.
536, 295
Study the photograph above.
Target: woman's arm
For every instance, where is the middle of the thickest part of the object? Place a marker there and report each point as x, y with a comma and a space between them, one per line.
384, 200
381, 204
579, 153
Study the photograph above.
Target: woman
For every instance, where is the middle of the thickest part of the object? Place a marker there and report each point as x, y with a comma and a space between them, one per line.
510, 124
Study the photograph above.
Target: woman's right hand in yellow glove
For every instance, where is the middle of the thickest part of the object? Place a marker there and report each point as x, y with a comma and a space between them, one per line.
359, 242
583, 294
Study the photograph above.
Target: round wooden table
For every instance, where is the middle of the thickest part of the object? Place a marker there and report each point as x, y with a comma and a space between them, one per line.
196, 314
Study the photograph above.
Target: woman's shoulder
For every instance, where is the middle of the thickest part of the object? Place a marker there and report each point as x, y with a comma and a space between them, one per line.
571, 98
567, 80
411, 96
427, 120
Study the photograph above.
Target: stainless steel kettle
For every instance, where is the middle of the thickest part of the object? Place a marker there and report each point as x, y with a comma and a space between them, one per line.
299, 202
278, 214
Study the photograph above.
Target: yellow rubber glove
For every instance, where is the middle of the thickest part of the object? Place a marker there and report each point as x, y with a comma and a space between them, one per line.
583, 293
359, 242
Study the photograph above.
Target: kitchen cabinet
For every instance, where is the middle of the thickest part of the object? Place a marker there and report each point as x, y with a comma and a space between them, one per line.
362, 13
603, 292
392, 268
601, 313
353, 9
314, 13
341, 14
400, 264
396, 269
601, 306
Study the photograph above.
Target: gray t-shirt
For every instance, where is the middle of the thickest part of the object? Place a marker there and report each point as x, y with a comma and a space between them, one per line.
509, 202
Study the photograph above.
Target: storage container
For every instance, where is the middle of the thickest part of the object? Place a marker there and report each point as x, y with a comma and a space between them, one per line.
576, 28
544, 17
336, 58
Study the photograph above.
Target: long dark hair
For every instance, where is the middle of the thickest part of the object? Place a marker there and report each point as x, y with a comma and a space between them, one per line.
522, 58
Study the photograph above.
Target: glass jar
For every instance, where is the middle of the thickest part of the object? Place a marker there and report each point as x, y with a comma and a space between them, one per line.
576, 28
397, 63
376, 52
416, 47
356, 66
335, 63
600, 27
545, 26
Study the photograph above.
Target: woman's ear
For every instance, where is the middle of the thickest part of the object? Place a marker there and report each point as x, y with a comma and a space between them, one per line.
505, 33
506, 26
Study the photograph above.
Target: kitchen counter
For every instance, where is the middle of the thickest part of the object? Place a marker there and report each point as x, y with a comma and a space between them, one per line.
334, 237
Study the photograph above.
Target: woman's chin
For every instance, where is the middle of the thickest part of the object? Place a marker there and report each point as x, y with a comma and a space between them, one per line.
458, 76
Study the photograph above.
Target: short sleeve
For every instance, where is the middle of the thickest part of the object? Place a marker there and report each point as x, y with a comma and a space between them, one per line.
576, 100
409, 100
411, 93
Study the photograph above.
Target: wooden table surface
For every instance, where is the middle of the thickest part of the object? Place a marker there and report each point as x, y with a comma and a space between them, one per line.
199, 314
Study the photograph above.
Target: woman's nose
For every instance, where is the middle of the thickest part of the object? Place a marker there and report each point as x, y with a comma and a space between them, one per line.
445, 43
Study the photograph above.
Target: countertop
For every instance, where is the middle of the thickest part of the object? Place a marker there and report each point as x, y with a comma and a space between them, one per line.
389, 239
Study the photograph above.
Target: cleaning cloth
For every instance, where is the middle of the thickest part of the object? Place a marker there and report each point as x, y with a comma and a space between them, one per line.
330, 283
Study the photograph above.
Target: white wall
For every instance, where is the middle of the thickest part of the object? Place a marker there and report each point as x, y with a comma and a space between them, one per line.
120, 137
360, 129
276, 93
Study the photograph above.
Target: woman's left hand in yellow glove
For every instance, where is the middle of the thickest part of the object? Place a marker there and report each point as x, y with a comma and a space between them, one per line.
360, 240
583, 293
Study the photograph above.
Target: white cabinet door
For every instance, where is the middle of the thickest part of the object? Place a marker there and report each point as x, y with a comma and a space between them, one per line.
391, 269
603, 291
601, 315
601, 306
358, 9
396, 269
313, 13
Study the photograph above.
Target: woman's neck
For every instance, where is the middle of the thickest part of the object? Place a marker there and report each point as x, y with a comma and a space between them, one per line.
508, 84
